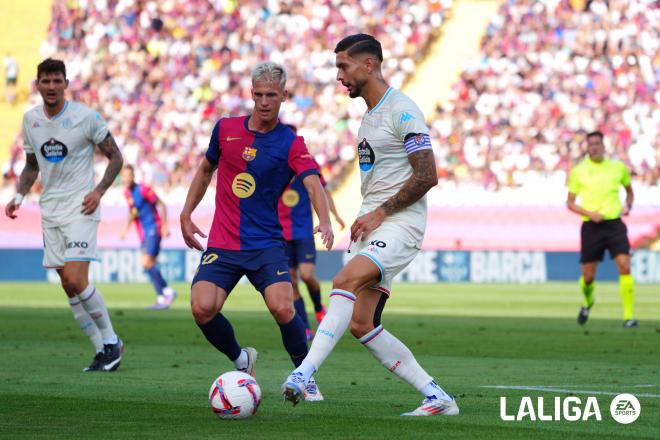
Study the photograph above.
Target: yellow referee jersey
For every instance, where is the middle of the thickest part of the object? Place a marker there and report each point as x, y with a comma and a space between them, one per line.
597, 184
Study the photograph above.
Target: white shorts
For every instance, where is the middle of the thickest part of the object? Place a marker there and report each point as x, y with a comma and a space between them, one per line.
391, 248
73, 242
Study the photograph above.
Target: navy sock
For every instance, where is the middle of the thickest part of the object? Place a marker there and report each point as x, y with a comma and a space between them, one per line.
299, 305
220, 333
156, 279
294, 339
316, 299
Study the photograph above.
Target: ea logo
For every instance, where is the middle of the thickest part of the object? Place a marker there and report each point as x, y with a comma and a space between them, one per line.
625, 408
243, 185
290, 198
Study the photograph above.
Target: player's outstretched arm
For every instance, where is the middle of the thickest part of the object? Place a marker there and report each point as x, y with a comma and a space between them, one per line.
109, 148
25, 182
333, 208
423, 178
573, 206
320, 202
195, 194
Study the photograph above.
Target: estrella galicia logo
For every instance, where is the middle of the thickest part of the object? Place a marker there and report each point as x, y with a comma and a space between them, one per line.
54, 151
366, 155
454, 266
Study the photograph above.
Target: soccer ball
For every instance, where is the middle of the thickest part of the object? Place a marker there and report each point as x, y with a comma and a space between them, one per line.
235, 395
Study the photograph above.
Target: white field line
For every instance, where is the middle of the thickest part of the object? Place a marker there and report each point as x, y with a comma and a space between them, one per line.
566, 390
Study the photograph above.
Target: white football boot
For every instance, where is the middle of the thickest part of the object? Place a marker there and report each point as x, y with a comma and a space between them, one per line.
435, 407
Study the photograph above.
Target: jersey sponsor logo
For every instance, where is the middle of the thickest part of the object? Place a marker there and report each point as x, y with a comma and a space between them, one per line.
243, 185
290, 198
54, 151
77, 244
229, 139
405, 117
366, 155
249, 154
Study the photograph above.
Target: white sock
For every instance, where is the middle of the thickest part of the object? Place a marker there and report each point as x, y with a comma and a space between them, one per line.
93, 303
330, 330
241, 362
433, 390
396, 357
86, 323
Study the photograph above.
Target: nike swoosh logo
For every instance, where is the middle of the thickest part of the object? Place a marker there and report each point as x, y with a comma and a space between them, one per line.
281, 273
229, 139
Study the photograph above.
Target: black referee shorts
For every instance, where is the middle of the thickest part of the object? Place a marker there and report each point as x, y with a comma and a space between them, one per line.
597, 237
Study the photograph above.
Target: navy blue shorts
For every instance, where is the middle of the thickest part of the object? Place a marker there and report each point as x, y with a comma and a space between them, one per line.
301, 251
225, 268
151, 243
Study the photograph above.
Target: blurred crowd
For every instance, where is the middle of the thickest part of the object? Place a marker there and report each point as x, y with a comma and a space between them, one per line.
162, 72
550, 71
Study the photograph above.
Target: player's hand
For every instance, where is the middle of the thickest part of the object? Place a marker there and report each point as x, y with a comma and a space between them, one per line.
595, 217
366, 224
11, 208
625, 210
188, 230
164, 231
91, 202
327, 236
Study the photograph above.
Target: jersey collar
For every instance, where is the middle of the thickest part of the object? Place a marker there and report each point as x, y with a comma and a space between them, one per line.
387, 93
60, 113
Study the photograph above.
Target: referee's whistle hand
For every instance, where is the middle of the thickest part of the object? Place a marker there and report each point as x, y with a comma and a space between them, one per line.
10, 209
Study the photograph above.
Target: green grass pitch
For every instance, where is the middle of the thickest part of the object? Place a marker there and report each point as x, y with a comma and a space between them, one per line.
467, 336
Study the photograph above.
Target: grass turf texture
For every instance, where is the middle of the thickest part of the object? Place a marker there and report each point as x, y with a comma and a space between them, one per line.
467, 336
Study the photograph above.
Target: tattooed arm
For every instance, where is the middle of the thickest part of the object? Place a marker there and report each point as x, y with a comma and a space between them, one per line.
423, 178
25, 182
109, 148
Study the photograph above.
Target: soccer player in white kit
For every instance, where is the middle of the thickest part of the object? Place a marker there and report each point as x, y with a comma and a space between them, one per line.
59, 142
397, 168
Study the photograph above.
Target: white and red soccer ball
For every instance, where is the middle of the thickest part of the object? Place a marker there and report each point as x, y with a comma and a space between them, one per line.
235, 395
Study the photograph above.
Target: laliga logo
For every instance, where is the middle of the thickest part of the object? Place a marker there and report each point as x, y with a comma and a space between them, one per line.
570, 410
625, 409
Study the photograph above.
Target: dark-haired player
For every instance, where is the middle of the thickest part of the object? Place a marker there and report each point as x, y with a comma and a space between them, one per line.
60, 136
397, 168
151, 226
597, 180
295, 213
256, 156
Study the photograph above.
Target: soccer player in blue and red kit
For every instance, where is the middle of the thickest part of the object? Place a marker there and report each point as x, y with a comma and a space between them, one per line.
256, 156
295, 212
143, 204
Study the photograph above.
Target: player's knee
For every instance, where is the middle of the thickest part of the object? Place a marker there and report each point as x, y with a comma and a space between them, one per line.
282, 312
344, 282
202, 312
71, 284
307, 276
359, 329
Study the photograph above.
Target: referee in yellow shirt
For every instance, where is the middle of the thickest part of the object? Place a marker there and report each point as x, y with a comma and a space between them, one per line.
596, 181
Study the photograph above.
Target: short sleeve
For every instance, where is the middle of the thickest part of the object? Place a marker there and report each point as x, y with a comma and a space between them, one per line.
96, 127
148, 194
408, 120
573, 181
625, 175
27, 143
300, 161
213, 152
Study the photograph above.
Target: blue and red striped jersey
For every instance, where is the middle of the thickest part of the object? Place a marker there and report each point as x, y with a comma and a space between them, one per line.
142, 203
295, 211
253, 170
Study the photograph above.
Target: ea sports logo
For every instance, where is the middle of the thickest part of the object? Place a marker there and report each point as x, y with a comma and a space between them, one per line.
290, 198
625, 408
243, 185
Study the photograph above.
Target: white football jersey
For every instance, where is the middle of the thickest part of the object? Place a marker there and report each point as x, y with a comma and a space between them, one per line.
64, 147
383, 154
